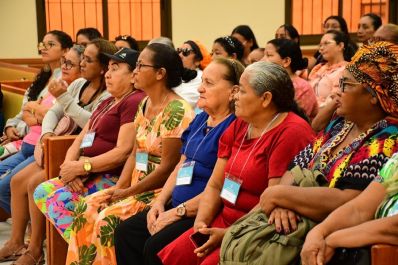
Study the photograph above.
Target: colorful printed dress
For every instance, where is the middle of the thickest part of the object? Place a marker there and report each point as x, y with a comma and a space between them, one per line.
389, 178
54, 199
356, 165
92, 239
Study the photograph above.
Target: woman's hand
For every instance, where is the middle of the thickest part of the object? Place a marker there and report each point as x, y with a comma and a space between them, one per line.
46, 135
156, 209
284, 219
57, 87
215, 239
164, 219
118, 194
12, 133
76, 185
70, 170
315, 250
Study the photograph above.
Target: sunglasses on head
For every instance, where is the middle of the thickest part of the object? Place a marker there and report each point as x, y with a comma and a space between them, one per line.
185, 52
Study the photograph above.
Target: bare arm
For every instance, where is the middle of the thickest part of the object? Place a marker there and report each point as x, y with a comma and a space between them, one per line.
211, 200
379, 231
315, 203
169, 159
106, 161
170, 184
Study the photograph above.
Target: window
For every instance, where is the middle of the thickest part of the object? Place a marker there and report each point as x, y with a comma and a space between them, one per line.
142, 19
308, 15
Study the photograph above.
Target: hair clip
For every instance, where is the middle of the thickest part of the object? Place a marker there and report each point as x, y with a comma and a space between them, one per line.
230, 41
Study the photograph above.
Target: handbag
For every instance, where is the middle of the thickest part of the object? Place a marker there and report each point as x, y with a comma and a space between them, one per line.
65, 126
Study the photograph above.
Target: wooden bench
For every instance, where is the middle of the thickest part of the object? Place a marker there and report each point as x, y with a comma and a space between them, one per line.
384, 254
9, 71
55, 149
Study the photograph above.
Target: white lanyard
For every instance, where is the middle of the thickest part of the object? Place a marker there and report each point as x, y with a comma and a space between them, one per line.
197, 148
258, 140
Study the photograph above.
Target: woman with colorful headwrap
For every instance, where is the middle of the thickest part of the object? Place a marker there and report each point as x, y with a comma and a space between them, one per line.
352, 225
352, 148
195, 58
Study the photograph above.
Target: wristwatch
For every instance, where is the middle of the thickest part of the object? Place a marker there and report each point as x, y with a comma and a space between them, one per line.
87, 166
181, 210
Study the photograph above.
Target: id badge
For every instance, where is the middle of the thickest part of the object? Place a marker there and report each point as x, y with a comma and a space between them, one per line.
88, 140
141, 161
230, 189
185, 173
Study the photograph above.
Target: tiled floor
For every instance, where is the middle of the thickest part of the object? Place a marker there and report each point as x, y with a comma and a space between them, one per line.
5, 232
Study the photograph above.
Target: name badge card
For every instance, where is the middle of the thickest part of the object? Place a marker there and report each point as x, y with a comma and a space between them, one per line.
230, 189
141, 161
185, 173
88, 140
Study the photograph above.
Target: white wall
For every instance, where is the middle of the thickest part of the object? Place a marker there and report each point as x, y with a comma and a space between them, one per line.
206, 20
18, 29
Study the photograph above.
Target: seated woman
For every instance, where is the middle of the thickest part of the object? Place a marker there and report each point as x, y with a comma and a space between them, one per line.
126, 41
352, 149
160, 121
370, 218
141, 237
287, 31
245, 35
83, 95
367, 26
337, 23
85, 35
194, 58
287, 53
55, 44
228, 47
95, 159
324, 77
250, 158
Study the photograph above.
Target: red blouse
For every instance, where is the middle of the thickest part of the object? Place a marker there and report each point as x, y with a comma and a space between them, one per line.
269, 159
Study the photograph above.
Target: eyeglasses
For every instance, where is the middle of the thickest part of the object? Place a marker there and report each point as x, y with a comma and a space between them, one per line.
138, 66
327, 43
185, 52
343, 82
68, 64
88, 59
43, 45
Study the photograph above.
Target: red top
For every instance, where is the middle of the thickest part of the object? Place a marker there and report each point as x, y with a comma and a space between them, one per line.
269, 159
107, 127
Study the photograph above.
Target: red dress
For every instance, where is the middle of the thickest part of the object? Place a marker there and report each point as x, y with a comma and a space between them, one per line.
269, 159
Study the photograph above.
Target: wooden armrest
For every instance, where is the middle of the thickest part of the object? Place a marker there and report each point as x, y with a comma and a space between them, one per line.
384, 254
55, 149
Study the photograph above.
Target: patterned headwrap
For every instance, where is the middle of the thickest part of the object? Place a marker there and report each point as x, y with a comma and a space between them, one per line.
377, 66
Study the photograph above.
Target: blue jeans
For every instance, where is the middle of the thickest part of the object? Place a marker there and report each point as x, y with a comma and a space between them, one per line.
11, 166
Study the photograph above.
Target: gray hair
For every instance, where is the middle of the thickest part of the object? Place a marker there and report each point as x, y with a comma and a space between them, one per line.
266, 76
79, 49
162, 40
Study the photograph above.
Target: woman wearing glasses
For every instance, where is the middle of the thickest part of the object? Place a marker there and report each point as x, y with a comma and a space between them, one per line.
160, 121
95, 159
353, 147
77, 102
194, 58
27, 123
141, 237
